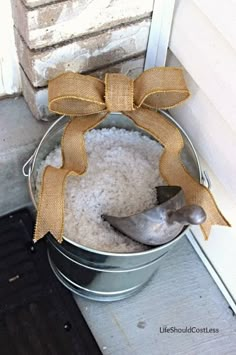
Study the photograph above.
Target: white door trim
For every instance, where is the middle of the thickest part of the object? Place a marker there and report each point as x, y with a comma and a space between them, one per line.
10, 82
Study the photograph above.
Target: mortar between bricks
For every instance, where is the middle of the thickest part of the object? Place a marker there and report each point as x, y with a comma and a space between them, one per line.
62, 21
37, 99
83, 55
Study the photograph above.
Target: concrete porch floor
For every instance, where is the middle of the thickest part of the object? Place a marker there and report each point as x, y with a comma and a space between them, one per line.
181, 294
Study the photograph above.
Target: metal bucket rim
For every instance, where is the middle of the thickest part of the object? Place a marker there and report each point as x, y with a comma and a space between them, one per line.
100, 252
95, 251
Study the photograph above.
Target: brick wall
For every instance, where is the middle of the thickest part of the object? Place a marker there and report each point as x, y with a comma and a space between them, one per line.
86, 36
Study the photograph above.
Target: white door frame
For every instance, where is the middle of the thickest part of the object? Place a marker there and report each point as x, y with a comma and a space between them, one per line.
10, 82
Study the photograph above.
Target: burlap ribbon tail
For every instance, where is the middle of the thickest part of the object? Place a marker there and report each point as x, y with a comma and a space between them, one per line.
88, 100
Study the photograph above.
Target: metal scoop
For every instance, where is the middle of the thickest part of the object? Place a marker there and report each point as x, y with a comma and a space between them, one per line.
161, 223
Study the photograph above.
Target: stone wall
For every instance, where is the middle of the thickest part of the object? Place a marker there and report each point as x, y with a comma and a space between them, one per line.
86, 36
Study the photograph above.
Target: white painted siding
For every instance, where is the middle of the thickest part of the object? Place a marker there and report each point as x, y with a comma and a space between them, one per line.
205, 46
10, 82
203, 42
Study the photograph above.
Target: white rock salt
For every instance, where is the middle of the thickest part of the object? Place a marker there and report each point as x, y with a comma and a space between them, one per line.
123, 171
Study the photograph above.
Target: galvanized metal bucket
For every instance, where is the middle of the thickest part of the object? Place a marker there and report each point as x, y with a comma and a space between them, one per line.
97, 275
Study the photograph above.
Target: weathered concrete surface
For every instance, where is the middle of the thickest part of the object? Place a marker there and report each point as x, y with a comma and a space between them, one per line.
20, 134
37, 99
131, 68
182, 294
35, 3
63, 21
83, 55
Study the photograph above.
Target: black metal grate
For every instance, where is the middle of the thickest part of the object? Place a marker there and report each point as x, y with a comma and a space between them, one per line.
37, 314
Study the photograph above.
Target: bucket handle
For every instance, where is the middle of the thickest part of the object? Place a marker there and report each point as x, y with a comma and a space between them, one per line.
206, 179
27, 167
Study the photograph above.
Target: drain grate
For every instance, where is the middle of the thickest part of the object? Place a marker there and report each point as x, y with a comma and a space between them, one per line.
37, 314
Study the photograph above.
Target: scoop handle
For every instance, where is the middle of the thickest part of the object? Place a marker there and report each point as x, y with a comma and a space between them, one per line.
191, 214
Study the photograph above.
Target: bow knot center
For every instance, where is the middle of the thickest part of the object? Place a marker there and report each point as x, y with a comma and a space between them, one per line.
119, 92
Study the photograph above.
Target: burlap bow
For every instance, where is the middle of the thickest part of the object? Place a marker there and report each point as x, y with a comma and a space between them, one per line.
90, 100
